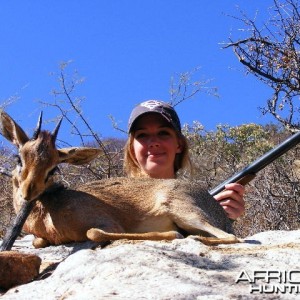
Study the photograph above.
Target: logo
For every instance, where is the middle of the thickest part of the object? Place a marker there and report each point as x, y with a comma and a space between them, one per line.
151, 104
271, 281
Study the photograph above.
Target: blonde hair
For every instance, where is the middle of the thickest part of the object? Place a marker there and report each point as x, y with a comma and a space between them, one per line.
182, 160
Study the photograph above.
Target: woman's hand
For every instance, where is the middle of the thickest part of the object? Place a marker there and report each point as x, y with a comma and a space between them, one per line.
232, 200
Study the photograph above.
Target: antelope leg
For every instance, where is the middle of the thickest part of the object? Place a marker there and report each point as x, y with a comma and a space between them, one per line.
98, 235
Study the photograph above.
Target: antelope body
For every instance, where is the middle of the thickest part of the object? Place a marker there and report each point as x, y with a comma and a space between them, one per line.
106, 209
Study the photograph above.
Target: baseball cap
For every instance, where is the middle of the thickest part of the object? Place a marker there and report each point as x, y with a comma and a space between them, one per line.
155, 106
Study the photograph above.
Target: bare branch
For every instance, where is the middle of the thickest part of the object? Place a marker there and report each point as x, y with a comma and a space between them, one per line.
272, 54
69, 106
183, 87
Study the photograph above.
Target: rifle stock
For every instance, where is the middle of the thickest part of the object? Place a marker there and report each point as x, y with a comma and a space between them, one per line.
247, 174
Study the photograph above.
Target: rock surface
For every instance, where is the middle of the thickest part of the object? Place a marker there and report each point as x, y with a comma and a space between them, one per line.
181, 269
18, 268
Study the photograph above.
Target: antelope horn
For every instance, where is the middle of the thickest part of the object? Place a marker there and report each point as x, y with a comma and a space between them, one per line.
55, 131
38, 127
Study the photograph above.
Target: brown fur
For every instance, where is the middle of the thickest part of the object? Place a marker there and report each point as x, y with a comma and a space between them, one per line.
125, 207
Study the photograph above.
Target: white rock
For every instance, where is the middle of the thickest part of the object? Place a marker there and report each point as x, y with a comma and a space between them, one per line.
182, 269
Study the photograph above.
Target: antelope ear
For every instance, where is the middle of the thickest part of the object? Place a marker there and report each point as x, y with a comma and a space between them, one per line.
11, 130
77, 155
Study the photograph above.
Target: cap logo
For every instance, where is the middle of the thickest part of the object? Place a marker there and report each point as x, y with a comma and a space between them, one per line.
151, 104
164, 109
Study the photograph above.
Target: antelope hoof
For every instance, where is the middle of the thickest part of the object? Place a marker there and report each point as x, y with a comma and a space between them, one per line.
40, 243
97, 235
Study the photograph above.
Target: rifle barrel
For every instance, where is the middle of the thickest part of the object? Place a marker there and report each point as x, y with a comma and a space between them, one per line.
261, 162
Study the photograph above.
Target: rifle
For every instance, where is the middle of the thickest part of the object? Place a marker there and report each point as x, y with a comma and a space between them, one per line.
248, 173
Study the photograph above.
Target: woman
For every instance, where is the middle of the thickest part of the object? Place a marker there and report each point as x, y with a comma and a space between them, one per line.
157, 148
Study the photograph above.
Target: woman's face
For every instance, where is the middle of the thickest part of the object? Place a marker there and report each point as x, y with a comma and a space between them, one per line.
155, 145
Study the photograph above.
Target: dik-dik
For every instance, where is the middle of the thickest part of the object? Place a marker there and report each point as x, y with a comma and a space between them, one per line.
117, 208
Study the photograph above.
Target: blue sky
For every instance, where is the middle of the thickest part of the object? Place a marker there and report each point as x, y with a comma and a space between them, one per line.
127, 51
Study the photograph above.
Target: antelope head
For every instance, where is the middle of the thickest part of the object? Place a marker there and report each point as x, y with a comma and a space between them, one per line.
38, 156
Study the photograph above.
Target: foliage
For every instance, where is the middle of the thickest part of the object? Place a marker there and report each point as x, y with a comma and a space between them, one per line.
228, 149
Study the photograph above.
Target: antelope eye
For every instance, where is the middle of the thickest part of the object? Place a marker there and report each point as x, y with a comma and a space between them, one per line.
17, 159
51, 173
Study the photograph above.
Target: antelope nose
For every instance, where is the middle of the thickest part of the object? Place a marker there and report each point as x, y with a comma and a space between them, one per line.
26, 196
27, 192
